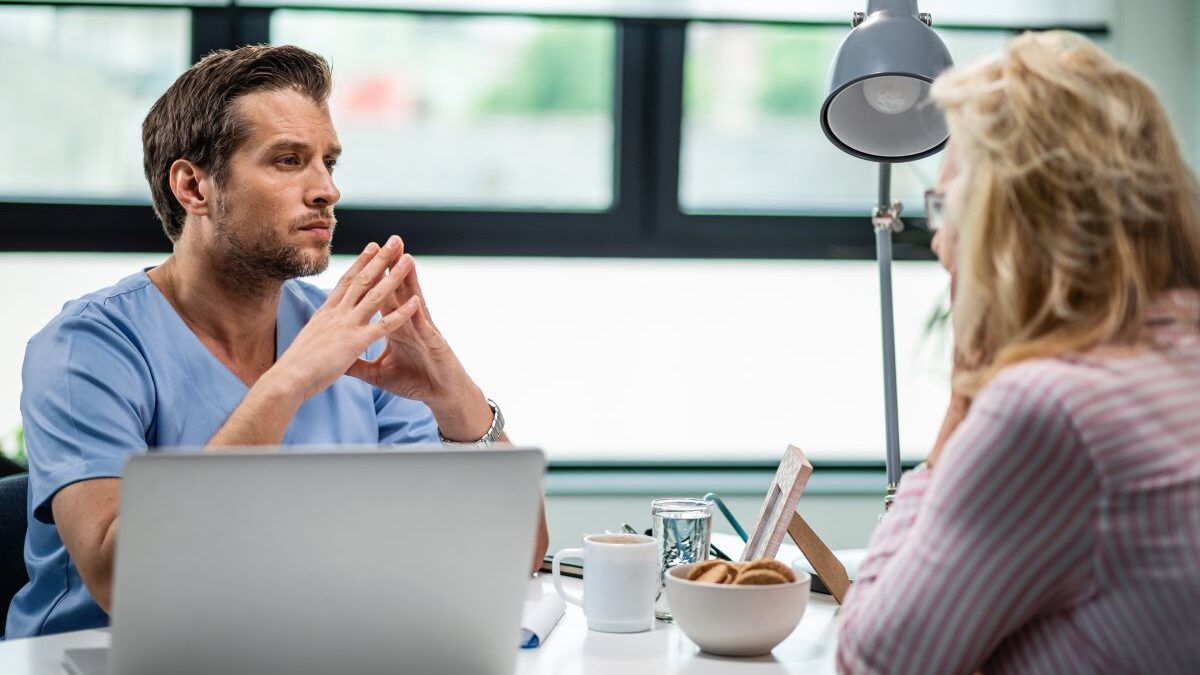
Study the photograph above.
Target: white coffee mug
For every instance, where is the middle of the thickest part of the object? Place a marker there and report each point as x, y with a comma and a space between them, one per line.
620, 581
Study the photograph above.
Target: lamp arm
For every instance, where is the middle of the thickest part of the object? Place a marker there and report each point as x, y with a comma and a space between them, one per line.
886, 221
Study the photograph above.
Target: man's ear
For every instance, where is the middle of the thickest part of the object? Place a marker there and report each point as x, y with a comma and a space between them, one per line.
192, 186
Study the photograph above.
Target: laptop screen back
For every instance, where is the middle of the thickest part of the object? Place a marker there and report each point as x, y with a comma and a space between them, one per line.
310, 562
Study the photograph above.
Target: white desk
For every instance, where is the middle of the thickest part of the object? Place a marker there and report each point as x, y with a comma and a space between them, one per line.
571, 649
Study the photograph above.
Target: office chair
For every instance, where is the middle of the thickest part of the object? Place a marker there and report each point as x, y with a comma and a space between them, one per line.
9, 467
13, 512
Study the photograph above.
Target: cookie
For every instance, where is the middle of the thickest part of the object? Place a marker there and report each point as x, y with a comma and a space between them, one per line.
759, 577
701, 568
772, 565
721, 573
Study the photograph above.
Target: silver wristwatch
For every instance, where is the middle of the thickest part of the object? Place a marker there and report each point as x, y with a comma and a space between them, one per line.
490, 438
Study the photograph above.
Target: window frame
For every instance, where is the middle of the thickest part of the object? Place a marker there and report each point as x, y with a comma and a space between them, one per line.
645, 219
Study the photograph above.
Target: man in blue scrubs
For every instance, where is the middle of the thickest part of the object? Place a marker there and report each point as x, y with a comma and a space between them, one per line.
221, 345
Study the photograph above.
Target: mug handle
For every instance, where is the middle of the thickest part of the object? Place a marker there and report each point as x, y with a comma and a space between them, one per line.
556, 572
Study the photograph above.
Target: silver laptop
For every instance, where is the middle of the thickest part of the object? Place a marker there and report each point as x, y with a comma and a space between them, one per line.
364, 562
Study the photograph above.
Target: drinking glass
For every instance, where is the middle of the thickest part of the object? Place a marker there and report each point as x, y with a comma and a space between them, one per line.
683, 530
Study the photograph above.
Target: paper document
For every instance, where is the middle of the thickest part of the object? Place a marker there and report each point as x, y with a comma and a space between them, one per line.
539, 618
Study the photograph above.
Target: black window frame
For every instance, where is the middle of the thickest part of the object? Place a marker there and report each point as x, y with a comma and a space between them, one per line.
645, 219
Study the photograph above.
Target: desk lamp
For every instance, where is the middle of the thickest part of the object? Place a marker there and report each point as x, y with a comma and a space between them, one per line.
878, 109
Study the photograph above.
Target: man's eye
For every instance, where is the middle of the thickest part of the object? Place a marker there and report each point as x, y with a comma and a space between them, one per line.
330, 163
289, 160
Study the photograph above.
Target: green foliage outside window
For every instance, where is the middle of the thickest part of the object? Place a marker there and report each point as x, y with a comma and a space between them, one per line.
787, 65
567, 68
793, 83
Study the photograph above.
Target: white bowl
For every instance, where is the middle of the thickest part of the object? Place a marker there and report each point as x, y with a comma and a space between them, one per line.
736, 620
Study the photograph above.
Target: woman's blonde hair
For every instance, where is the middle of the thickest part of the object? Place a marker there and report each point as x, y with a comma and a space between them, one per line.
1078, 210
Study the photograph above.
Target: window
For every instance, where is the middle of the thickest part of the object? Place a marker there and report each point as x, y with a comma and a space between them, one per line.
699, 277
496, 112
752, 138
77, 83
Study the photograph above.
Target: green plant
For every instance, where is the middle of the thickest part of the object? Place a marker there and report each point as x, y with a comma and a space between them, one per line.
17, 452
939, 315
937, 329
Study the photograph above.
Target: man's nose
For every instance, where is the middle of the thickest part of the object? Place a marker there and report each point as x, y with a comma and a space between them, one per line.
323, 192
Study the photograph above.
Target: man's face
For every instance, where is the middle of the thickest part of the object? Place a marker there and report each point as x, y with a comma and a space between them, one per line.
273, 214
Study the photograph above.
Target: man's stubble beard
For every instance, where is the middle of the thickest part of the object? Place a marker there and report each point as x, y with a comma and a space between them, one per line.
252, 257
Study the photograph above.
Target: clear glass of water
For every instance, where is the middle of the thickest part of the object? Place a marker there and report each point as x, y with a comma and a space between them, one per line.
683, 530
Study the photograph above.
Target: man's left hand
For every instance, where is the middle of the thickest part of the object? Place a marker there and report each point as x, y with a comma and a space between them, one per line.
417, 363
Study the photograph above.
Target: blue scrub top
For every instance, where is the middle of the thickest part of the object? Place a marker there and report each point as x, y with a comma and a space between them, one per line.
118, 372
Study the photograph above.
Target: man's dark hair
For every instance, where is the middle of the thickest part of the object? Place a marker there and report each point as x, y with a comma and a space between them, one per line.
196, 119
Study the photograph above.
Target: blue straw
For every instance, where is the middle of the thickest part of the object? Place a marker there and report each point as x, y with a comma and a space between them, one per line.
712, 497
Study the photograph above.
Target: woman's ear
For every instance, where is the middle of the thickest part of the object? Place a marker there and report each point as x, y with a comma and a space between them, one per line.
191, 185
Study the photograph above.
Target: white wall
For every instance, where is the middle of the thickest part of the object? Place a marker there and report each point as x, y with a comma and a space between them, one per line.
623, 359
1195, 86
1158, 39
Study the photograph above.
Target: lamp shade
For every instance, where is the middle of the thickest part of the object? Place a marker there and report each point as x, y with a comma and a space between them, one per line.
878, 106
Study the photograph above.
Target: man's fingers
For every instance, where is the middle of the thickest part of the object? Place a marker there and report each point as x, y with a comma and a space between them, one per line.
394, 321
335, 296
366, 277
425, 327
403, 293
364, 370
413, 287
423, 321
397, 297
378, 296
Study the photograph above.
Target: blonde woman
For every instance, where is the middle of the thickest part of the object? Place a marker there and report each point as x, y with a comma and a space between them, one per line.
1056, 526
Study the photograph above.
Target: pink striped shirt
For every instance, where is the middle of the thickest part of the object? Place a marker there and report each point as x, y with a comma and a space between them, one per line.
1060, 532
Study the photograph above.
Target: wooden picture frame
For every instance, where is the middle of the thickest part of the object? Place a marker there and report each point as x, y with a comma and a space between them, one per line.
776, 513
778, 517
829, 569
